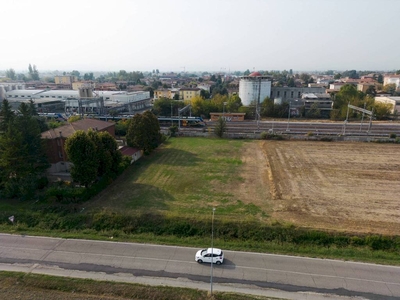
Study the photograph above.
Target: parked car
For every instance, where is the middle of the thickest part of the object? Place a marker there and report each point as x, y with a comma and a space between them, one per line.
209, 255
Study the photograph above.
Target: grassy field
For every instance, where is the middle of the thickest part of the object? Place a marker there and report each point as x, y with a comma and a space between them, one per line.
184, 177
37, 287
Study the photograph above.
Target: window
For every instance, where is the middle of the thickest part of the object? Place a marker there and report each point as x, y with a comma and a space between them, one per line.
299, 94
291, 94
278, 93
284, 94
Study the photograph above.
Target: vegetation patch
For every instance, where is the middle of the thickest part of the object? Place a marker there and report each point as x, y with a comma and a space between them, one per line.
32, 286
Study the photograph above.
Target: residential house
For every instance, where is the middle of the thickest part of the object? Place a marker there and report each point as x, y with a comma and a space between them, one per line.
188, 93
55, 141
394, 101
64, 79
162, 93
390, 79
133, 153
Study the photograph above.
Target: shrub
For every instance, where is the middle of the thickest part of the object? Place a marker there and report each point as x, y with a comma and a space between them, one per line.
173, 130
326, 139
392, 135
380, 242
65, 194
270, 136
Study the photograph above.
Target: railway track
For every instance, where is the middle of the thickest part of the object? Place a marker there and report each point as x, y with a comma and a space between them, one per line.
314, 128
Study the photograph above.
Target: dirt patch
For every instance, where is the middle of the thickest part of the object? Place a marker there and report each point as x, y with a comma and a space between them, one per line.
353, 187
254, 174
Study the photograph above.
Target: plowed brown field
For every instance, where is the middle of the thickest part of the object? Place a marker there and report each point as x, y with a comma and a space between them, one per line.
352, 187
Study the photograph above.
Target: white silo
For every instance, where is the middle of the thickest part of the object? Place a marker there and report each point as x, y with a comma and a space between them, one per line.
254, 88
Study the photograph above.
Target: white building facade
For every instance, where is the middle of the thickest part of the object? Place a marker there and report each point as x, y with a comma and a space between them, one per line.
393, 79
254, 88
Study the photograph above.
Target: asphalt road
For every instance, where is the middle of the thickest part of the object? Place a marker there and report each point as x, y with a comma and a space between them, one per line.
286, 276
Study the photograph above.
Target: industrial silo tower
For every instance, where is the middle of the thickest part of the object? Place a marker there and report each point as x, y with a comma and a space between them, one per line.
254, 88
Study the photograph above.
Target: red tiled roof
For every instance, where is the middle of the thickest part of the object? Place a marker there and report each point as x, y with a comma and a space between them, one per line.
70, 129
128, 151
255, 74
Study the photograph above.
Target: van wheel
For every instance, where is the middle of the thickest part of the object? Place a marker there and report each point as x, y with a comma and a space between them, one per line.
218, 262
200, 261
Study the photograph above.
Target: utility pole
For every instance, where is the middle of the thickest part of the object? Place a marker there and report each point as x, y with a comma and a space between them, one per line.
212, 251
347, 118
287, 128
258, 103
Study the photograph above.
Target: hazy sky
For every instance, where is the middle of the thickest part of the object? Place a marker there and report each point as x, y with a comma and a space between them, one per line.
201, 35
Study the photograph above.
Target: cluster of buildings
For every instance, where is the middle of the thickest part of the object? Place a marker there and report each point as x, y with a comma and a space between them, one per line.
255, 87
68, 95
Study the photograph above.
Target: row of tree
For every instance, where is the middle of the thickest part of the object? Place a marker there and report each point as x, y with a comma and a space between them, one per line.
33, 74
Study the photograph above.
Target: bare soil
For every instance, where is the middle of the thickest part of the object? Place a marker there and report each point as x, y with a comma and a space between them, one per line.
352, 187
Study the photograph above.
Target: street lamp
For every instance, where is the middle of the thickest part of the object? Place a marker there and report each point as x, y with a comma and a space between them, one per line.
212, 251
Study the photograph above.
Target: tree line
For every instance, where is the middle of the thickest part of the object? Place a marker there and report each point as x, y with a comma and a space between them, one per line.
23, 159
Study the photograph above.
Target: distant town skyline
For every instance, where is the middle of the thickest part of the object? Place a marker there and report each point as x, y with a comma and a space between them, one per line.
192, 36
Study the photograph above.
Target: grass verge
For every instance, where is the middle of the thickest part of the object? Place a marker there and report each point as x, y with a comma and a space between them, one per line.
23, 286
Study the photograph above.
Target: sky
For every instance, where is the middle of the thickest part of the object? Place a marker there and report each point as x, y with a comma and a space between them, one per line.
194, 35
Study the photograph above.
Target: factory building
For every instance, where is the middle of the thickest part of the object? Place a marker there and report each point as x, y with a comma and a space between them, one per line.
84, 100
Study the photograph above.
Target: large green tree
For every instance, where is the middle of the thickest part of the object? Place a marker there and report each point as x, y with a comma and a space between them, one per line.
6, 115
234, 103
382, 111
109, 155
27, 124
33, 72
94, 151
389, 88
22, 153
81, 151
167, 107
220, 127
347, 94
10, 73
144, 132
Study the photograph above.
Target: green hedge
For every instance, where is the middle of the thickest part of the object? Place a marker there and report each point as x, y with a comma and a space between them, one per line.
70, 218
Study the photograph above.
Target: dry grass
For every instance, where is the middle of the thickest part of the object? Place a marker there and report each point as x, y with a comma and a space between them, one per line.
351, 187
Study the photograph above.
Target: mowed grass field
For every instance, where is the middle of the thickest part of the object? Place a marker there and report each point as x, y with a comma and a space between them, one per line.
185, 177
